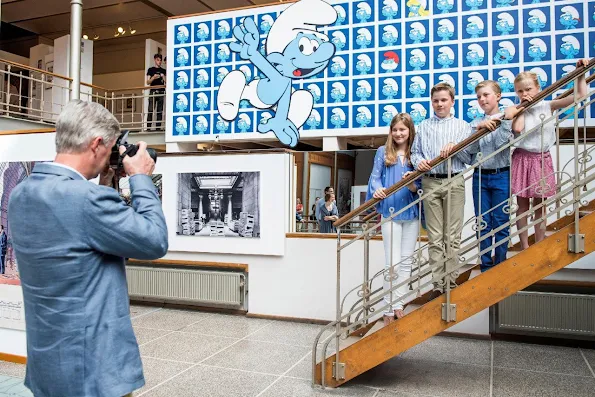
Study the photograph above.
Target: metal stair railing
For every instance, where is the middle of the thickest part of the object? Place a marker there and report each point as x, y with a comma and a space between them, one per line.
363, 303
41, 95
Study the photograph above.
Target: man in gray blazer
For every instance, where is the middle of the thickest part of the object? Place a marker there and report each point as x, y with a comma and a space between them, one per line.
70, 237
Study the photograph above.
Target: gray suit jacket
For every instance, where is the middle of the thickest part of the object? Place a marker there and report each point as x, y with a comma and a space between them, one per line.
70, 237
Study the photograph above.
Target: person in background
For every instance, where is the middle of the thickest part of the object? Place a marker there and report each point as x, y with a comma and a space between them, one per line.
320, 203
70, 238
391, 164
533, 175
156, 77
328, 214
299, 210
3, 249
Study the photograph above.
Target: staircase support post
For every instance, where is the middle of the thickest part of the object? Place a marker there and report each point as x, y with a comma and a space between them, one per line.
576, 241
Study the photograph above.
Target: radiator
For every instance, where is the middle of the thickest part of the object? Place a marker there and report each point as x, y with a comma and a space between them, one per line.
186, 286
550, 313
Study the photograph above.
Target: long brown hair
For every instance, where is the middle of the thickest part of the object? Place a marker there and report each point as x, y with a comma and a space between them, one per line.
390, 152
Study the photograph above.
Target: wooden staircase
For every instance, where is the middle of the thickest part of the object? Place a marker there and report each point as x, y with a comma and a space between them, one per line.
381, 343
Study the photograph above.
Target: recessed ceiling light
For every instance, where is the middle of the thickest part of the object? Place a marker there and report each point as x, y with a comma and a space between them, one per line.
85, 37
120, 29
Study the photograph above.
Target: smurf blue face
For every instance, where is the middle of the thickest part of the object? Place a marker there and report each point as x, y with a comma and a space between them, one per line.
200, 103
221, 125
181, 36
414, 10
536, 53
306, 56
416, 89
416, 62
389, 38
568, 50
362, 119
503, 55
223, 32
362, 15
265, 26
337, 69
474, 30
535, 24
474, 4
337, 121
181, 82
473, 113
471, 84
200, 127
223, 55
416, 116
181, 105
181, 128
362, 93
444, 6
444, 60
389, 91
389, 12
387, 117
416, 35
339, 44
505, 84
243, 125
503, 26
568, 21
444, 33
473, 57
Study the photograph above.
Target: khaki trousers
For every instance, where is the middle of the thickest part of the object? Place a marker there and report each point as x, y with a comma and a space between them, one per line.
444, 236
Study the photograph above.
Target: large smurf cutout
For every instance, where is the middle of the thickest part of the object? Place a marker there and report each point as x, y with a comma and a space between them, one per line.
295, 49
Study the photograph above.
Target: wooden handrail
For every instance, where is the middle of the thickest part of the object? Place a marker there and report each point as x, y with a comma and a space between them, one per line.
32, 69
525, 105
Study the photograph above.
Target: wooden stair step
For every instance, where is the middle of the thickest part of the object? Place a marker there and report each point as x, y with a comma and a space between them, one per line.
487, 289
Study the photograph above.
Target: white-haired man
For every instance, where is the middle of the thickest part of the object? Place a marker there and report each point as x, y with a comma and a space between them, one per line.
70, 237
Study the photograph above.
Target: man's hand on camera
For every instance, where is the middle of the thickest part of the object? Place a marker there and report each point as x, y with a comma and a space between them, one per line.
140, 163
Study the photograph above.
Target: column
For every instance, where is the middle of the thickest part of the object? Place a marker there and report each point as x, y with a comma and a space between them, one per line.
229, 209
199, 206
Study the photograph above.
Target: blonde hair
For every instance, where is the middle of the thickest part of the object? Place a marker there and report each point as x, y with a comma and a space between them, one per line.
443, 87
489, 83
390, 153
527, 76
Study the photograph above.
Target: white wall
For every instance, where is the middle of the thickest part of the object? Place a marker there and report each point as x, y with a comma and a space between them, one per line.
320, 178
114, 81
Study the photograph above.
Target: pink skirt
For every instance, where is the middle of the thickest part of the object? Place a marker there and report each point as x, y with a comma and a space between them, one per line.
531, 178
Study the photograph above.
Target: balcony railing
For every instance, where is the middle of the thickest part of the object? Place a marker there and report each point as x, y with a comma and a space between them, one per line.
39, 95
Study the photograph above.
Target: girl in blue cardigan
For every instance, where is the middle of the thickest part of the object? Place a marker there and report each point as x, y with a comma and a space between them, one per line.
391, 164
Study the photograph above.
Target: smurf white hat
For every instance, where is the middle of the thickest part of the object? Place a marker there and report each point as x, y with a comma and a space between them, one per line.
182, 98
339, 112
222, 71
202, 120
224, 48
340, 61
504, 16
507, 74
314, 88
391, 109
315, 115
182, 120
509, 46
183, 52
224, 24
202, 73
245, 117
392, 30
568, 68
204, 27
419, 80
246, 70
448, 51
203, 50
391, 82
339, 35
418, 26
365, 32
340, 11
365, 59
365, 85
392, 4
448, 24
184, 30
539, 43
448, 79
268, 18
340, 87
477, 76
540, 72
419, 53
538, 14
572, 40
477, 48
365, 6
420, 108
303, 16
476, 20
183, 75
202, 96
366, 111
572, 11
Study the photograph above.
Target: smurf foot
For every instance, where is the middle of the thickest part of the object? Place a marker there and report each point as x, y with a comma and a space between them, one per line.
230, 95
283, 129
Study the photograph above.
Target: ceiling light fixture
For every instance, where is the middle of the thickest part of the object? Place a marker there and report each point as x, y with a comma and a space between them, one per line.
96, 37
132, 31
120, 29
85, 37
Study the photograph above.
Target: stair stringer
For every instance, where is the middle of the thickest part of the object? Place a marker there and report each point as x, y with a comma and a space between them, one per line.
475, 295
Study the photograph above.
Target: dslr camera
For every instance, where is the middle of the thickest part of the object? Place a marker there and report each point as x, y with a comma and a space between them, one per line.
115, 160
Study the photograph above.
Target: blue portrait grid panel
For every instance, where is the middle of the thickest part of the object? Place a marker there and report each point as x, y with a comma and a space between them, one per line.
388, 55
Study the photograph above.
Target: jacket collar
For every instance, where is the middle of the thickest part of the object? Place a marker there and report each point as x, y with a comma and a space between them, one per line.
52, 169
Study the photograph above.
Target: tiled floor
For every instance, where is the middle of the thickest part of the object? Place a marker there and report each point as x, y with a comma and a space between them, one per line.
192, 354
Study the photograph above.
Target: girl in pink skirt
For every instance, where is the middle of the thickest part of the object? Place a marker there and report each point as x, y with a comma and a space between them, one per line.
533, 176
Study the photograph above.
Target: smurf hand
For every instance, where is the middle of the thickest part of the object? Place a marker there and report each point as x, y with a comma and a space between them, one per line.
248, 36
283, 128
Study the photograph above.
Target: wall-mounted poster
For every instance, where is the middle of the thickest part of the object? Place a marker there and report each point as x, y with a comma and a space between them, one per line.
219, 204
315, 68
11, 174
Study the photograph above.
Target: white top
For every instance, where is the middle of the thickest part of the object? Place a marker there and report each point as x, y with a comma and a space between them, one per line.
533, 139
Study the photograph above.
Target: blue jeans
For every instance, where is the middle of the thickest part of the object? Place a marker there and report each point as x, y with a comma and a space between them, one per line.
495, 189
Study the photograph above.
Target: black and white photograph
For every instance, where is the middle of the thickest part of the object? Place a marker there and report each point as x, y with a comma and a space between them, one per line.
219, 204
